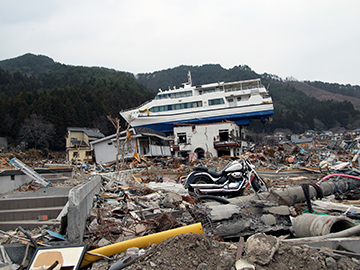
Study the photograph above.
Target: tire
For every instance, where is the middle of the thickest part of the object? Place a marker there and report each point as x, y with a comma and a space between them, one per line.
199, 180
259, 185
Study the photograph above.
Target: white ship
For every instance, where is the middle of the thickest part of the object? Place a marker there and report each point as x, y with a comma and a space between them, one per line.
216, 102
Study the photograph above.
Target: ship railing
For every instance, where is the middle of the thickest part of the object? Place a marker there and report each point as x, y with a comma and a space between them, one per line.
243, 88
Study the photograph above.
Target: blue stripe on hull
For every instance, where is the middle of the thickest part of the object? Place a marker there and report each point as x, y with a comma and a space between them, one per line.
239, 119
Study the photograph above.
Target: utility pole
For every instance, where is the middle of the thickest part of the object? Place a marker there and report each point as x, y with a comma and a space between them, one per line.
116, 124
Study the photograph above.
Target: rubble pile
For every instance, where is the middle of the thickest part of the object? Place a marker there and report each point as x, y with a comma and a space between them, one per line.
191, 251
268, 252
147, 197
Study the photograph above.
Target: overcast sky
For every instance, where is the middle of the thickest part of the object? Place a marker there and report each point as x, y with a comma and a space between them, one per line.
307, 39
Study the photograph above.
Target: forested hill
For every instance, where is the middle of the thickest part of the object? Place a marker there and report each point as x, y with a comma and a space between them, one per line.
200, 75
37, 92
62, 96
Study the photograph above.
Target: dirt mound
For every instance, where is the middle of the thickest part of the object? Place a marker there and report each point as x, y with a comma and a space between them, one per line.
305, 257
187, 251
199, 251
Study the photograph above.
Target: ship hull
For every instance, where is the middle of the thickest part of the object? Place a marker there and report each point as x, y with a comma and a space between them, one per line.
240, 115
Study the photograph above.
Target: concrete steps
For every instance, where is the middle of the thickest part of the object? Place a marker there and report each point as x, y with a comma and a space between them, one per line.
27, 211
55, 177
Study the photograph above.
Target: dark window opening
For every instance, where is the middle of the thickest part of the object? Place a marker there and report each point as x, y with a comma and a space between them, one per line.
223, 152
183, 154
182, 137
200, 153
224, 135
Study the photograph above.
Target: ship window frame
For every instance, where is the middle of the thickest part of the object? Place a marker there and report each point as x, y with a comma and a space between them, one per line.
176, 106
216, 101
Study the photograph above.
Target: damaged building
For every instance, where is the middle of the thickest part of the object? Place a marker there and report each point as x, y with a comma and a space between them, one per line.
141, 141
217, 139
78, 143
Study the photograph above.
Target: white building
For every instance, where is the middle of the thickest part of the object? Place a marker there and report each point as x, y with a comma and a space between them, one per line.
141, 141
217, 139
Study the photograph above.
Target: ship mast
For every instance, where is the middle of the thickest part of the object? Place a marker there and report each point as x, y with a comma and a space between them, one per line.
189, 78
189, 82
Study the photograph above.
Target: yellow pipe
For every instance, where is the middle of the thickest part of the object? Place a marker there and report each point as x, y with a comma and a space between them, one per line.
139, 242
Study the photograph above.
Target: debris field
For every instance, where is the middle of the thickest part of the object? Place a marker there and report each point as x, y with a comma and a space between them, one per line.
147, 198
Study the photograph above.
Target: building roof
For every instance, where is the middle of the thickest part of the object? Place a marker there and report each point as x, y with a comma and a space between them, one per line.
142, 130
303, 140
90, 132
134, 132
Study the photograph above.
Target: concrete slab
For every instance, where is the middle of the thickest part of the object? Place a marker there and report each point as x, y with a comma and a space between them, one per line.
49, 191
169, 186
223, 211
349, 243
80, 203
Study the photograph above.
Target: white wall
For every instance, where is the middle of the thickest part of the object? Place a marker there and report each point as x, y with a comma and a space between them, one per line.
7, 184
105, 151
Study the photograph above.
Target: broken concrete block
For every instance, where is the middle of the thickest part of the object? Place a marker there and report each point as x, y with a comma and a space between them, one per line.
282, 210
132, 252
222, 211
139, 228
330, 263
268, 219
233, 229
103, 242
94, 225
244, 265
260, 248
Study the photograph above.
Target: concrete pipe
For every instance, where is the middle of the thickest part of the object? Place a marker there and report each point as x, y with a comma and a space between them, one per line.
317, 225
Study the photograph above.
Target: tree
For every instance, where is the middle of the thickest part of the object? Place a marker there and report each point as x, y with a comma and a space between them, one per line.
37, 132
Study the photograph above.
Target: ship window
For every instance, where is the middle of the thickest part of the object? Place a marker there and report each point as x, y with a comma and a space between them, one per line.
186, 94
180, 94
230, 99
178, 106
197, 104
216, 101
238, 98
182, 137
